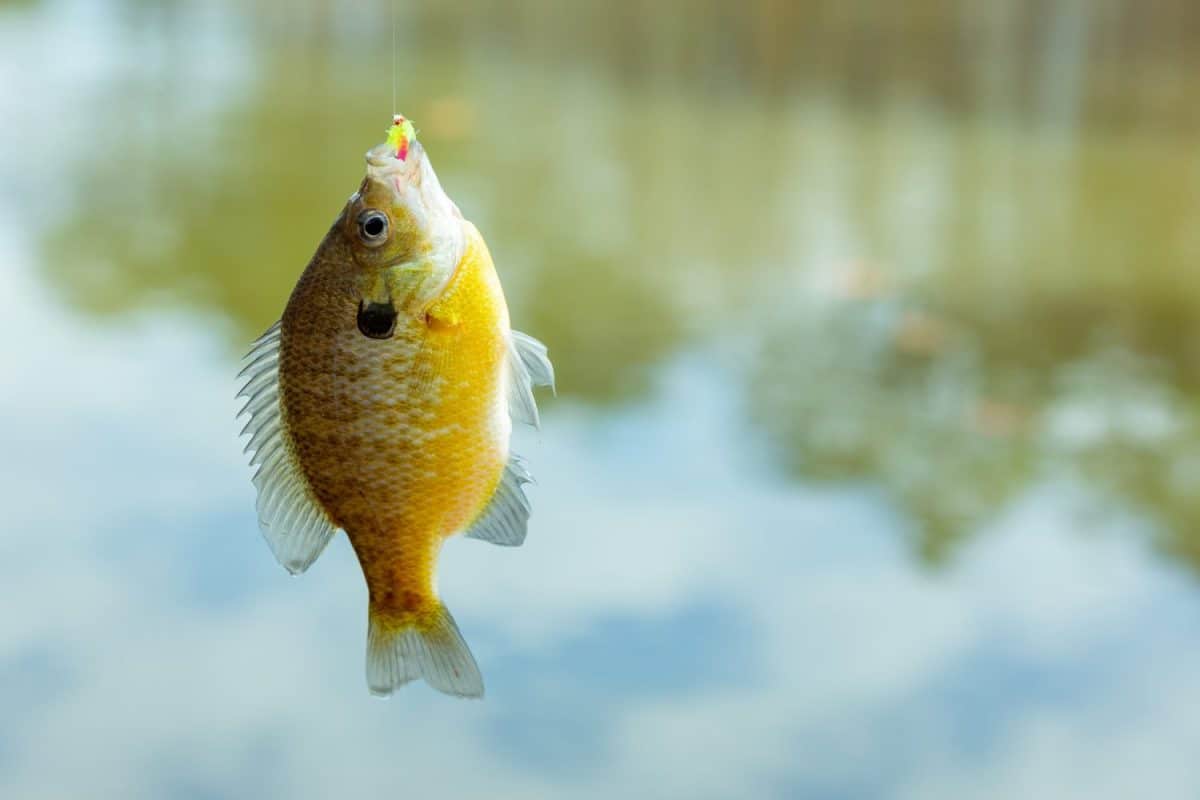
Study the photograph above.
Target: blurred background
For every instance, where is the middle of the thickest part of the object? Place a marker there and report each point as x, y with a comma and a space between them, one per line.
873, 467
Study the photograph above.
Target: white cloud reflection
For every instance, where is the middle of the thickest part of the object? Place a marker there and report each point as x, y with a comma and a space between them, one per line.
680, 623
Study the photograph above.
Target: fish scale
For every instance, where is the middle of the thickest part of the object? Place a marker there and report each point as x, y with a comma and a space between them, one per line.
415, 439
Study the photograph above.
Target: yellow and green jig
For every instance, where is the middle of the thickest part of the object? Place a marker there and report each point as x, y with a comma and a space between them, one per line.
400, 136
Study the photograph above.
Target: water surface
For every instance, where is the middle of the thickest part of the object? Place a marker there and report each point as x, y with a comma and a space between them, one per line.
873, 468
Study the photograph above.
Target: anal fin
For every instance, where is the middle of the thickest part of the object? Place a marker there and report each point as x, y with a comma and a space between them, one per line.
506, 516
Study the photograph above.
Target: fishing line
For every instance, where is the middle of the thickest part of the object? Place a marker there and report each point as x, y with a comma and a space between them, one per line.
393, 109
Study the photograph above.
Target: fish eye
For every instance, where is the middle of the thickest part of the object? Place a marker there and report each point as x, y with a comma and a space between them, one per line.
372, 228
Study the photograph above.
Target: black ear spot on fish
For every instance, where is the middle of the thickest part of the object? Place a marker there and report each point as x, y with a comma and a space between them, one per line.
372, 227
376, 320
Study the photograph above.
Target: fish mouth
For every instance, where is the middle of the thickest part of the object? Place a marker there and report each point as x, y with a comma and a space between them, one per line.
382, 161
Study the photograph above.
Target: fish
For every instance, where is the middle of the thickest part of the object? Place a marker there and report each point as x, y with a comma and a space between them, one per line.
381, 403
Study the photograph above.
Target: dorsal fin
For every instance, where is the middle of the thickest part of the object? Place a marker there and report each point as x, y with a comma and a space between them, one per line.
529, 366
294, 524
504, 519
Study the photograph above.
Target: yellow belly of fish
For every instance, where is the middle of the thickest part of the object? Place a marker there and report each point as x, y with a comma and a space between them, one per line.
403, 440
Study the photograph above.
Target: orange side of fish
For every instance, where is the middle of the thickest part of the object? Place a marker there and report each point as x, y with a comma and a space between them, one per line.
394, 373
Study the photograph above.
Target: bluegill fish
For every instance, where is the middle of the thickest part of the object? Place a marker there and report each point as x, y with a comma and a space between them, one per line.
380, 404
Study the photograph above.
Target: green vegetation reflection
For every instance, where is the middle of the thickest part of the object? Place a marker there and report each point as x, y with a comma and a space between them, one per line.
954, 271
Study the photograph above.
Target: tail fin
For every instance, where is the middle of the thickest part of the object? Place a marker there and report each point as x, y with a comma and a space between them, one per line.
427, 646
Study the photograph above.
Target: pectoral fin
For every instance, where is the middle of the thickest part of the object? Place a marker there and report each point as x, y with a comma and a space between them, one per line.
529, 366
